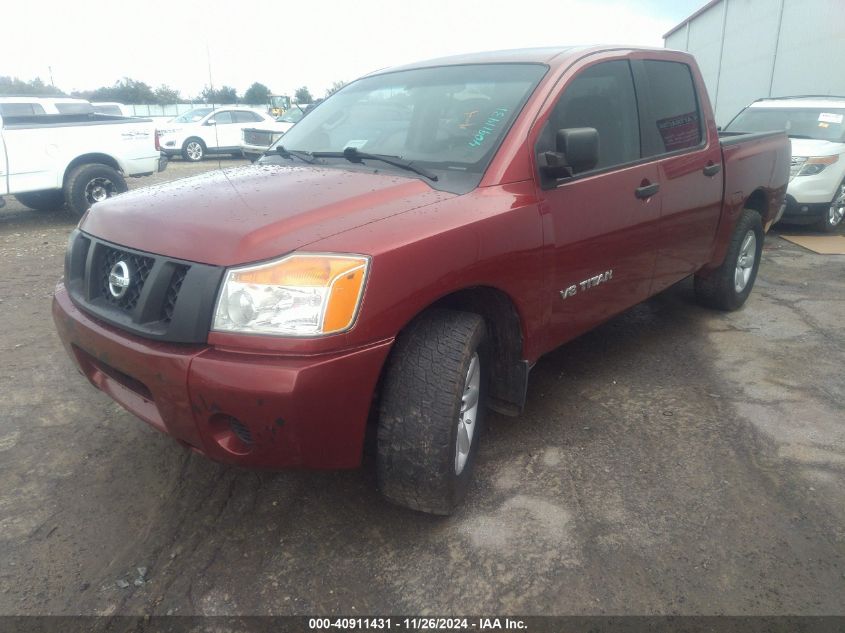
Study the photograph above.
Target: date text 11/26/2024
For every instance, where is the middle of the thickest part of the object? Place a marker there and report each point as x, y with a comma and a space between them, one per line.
417, 624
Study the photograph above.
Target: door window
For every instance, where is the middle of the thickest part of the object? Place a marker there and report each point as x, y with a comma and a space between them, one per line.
20, 109
245, 116
600, 97
674, 121
221, 118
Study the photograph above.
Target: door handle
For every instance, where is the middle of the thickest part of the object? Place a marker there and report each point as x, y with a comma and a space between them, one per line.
647, 191
712, 170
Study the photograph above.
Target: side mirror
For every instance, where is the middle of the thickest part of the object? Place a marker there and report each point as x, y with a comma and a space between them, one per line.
577, 150
211, 122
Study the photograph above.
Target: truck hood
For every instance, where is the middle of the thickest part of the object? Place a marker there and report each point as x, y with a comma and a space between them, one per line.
248, 214
813, 147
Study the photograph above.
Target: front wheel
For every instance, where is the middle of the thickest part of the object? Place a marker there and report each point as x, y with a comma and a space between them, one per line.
431, 413
727, 287
90, 183
835, 212
193, 150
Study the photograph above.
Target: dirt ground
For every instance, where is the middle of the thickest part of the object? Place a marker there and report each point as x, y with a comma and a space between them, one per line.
674, 460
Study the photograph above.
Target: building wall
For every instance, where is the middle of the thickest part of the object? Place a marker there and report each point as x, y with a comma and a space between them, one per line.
748, 49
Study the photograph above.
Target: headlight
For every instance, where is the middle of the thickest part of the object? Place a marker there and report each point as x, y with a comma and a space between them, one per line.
303, 294
816, 164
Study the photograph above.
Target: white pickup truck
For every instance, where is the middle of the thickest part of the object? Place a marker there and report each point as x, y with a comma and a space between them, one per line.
47, 161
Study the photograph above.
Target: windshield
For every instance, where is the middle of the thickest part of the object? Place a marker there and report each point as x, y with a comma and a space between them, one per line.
291, 116
280, 101
192, 115
447, 118
815, 123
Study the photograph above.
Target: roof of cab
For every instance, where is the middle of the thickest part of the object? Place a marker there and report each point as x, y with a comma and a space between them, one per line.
552, 56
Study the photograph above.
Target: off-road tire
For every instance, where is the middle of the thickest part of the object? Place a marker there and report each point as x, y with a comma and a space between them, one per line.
420, 407
47, 200
187, 156
77, 183
716, 289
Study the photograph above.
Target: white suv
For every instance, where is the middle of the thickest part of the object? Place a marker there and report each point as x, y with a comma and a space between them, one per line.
209, 130
816, 126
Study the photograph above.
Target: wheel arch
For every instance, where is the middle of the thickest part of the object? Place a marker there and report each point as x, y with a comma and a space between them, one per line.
194, 137
758, 201
506, 337
94, 158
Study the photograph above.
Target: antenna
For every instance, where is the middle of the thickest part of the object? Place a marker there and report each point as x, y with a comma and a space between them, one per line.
213, 107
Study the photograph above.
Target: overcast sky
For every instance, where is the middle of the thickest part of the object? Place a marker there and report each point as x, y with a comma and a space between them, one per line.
291, 43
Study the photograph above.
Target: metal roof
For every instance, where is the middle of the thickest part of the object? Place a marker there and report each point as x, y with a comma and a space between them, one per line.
707, 6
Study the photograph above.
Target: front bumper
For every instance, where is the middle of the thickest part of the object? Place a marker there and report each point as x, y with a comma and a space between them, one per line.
265, 411
803, 213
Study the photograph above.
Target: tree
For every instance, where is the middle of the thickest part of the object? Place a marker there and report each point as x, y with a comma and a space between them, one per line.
126, 90
337, 85
221, 96
303, 95
165, 95
34, 87
257, 94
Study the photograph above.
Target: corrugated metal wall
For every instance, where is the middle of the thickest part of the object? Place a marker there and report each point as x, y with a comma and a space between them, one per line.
749, 49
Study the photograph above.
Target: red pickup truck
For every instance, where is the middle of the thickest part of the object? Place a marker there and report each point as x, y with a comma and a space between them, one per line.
406, 253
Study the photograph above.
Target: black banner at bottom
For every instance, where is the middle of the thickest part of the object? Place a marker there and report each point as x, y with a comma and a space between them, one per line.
358, 624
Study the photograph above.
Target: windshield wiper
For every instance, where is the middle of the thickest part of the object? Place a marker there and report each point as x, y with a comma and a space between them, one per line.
354, 156
294, 153
800, 136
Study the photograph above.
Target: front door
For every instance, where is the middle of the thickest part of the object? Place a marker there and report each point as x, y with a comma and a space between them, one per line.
603, 222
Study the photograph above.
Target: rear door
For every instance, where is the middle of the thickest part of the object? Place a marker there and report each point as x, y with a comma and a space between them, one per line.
690, 170
601, 223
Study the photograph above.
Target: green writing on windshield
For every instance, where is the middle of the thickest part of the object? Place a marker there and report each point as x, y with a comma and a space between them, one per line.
488, 126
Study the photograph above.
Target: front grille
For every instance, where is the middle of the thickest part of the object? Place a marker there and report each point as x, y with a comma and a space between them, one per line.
258, 137
176, 282
239, 429
795, 165
165, 299
139, 269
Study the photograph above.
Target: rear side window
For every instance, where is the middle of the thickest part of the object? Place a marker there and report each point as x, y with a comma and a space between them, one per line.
243, 116
674, 121
221, 118
601, 97
20, 109
108, 109
74, 108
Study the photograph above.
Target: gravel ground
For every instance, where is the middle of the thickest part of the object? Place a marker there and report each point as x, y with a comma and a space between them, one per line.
675, 460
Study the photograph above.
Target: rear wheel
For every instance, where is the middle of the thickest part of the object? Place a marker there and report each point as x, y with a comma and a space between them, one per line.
47, 200
835, 212
94, 182
431, 413
193, 150
727, 287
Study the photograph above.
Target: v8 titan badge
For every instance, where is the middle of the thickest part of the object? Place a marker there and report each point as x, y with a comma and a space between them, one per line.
592, 282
